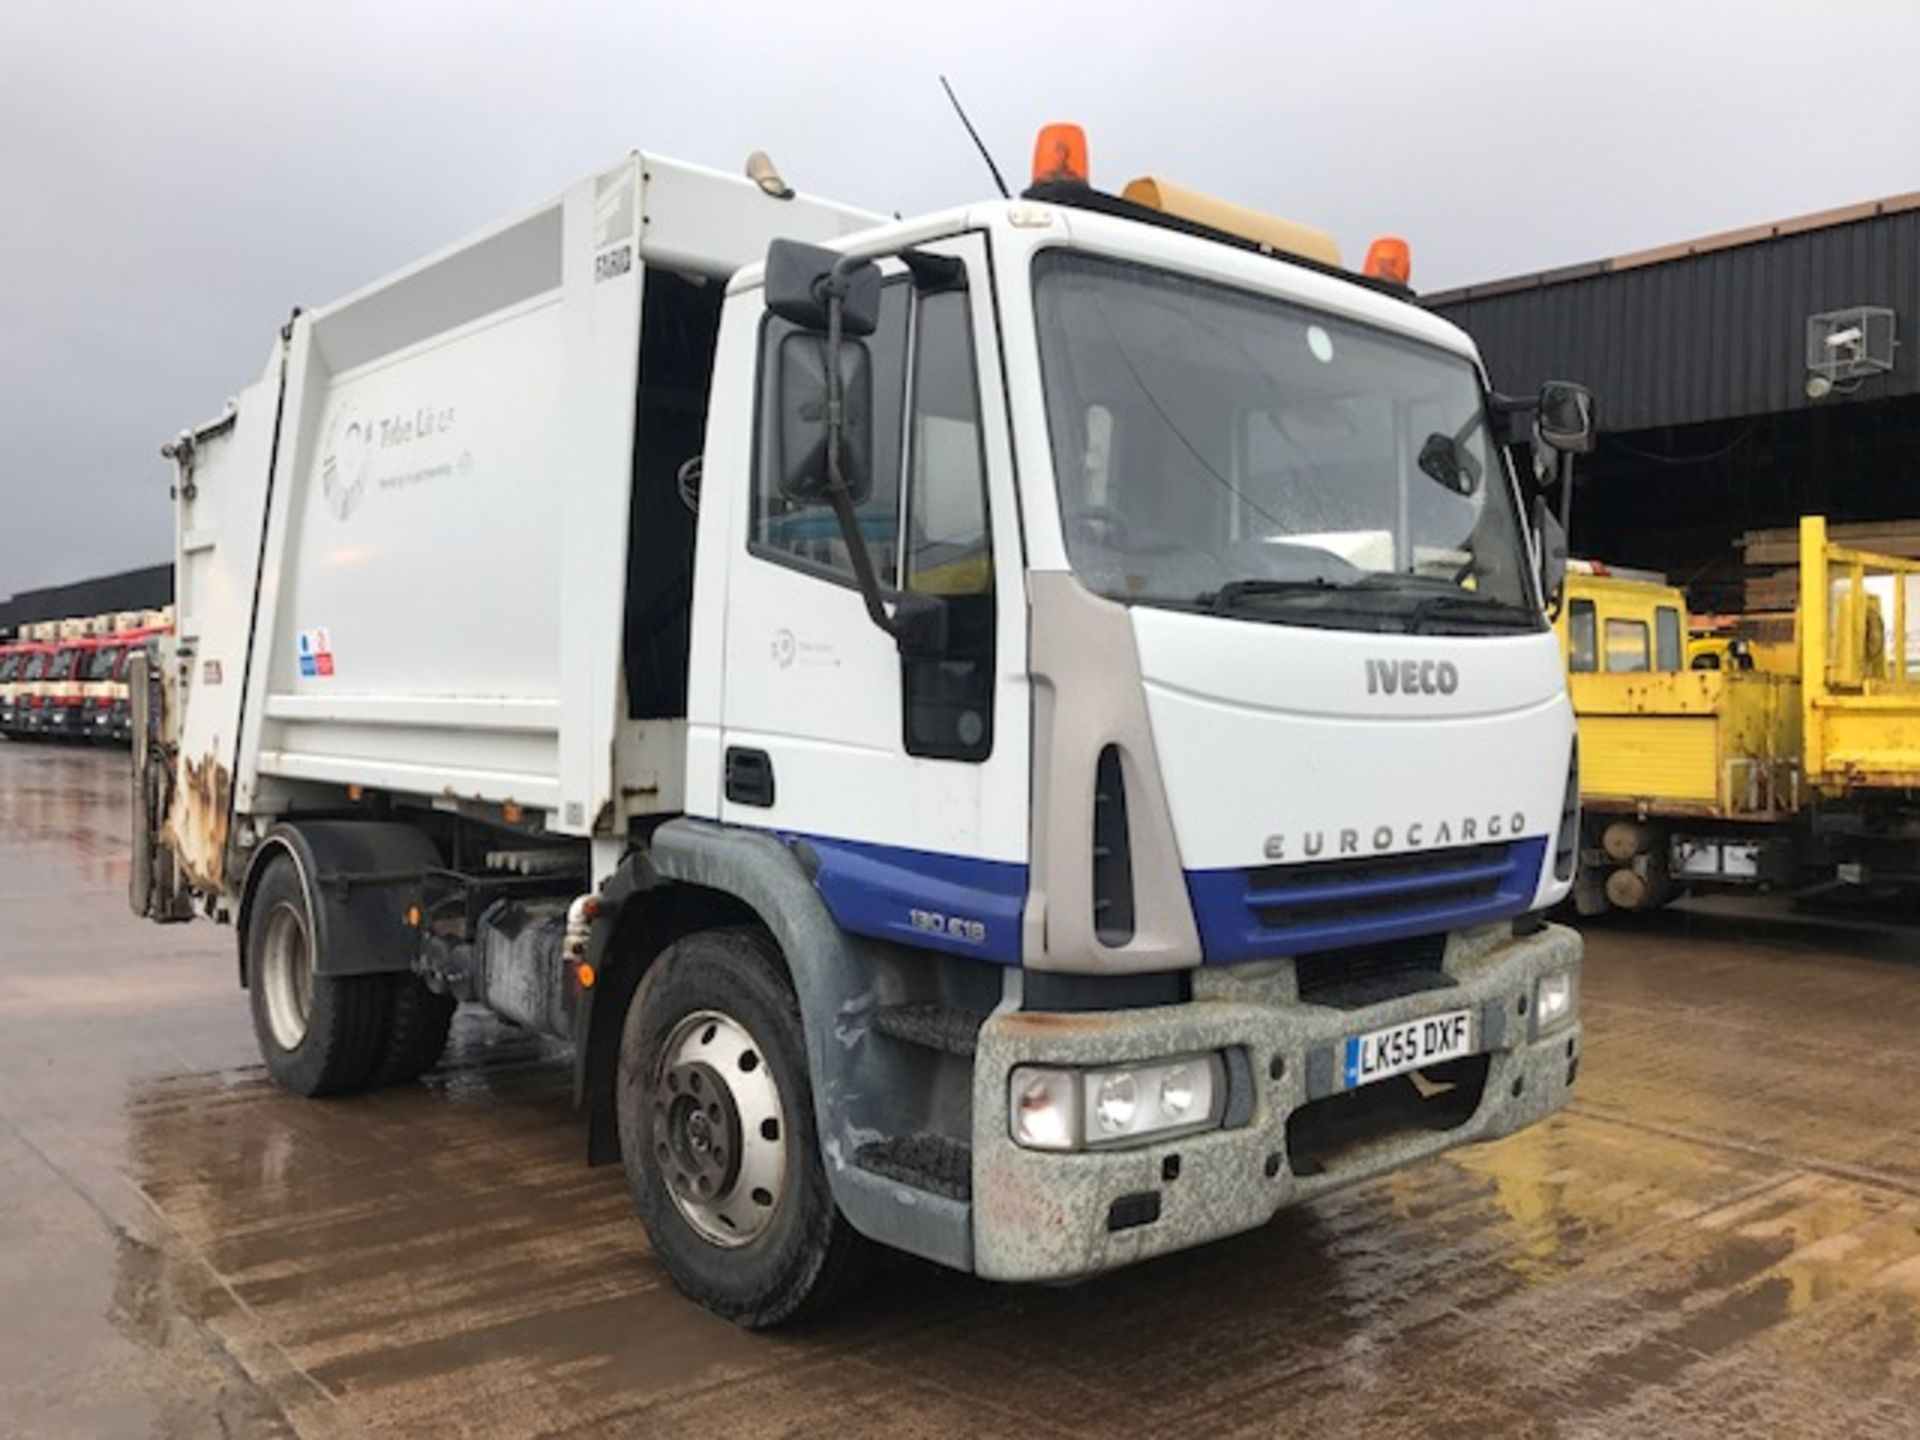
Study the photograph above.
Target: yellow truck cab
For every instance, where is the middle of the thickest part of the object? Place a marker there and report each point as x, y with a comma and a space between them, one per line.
1621, 622
1689, 761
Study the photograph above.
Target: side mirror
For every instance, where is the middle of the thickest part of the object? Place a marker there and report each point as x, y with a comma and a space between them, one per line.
1564, 417
801, 374
802, 278
1551, 536
1443, 461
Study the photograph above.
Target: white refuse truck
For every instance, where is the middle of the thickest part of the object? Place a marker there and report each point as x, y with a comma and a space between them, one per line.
1025, 735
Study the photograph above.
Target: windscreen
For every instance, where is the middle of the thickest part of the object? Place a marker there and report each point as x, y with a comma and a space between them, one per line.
61, 666
101, 663
1216, 449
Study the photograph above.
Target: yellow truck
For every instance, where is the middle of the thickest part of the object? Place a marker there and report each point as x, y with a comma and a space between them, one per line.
1784, 754
1689, 760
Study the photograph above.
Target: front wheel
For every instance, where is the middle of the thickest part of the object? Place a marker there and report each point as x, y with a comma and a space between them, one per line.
319, 1034
717, 1133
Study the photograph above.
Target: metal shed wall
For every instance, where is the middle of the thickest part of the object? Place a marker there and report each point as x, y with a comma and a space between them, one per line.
146, 589
1711, 330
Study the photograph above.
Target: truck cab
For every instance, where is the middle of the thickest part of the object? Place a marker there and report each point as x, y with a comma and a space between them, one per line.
103, 686
50, 674
112, 703
1081, 761
14, 655
69, 679
1621, 622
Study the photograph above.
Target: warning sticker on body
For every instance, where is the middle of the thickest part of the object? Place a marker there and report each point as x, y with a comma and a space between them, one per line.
316, 655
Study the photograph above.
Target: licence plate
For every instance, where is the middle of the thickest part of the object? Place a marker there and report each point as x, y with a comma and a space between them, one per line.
1382, 1054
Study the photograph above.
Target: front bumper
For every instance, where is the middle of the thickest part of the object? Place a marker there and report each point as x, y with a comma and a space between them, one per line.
1040, 1215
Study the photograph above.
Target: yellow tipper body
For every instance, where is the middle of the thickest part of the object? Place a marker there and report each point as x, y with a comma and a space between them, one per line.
1861, 697
1657, 738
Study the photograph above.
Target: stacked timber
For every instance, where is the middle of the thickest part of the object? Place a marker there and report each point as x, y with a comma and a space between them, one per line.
1771, 558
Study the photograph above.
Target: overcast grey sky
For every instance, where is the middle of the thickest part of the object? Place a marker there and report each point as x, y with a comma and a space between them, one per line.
175, 176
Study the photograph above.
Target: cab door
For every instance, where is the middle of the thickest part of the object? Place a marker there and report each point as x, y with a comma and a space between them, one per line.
903, 779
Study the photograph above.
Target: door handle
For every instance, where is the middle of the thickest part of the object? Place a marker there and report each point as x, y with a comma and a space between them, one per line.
749, 777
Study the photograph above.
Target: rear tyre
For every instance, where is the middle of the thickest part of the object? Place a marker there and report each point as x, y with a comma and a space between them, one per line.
319, 1034
717, 1133
417, 1025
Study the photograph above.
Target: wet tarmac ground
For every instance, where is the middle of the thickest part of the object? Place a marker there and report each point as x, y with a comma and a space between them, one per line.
1720, 1237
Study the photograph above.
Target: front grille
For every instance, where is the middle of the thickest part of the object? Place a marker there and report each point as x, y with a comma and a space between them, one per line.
1340, 904
1369, 974
1286, 897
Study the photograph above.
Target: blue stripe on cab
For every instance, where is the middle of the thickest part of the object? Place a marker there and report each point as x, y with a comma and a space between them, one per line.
1256, 914
955, 903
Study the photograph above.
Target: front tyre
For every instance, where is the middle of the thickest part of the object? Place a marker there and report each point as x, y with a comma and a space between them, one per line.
319, 1034
717, 1133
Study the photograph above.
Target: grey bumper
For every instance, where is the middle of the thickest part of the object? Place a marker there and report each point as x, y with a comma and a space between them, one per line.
1049, 1215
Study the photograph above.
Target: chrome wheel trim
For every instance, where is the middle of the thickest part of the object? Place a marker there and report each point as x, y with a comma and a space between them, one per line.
719, 1130
286, 975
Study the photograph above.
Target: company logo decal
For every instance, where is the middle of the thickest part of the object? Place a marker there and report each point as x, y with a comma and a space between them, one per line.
346, 455
389, 451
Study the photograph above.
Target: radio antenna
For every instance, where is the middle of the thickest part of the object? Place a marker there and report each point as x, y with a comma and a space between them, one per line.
979, 144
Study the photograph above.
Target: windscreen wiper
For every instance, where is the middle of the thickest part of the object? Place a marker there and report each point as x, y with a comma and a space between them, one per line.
1373, 595
1501, 614
1229, 596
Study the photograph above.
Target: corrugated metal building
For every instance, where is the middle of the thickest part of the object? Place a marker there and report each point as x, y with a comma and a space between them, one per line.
1699, 355
146, 589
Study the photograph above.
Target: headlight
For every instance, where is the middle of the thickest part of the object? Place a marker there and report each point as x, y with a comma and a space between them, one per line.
1059, 1109
1046, 1105
1554, 1000
1178, 1092
1116, 1103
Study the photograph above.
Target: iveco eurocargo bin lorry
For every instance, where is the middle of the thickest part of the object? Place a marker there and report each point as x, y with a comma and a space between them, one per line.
1027, 735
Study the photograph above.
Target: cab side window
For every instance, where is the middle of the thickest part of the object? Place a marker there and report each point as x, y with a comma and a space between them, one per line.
946, 547
1583, 646
1666, 639
1626, 646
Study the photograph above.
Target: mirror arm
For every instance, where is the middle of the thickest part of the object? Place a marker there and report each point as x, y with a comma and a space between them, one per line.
1565, 459
863, 572
837, 494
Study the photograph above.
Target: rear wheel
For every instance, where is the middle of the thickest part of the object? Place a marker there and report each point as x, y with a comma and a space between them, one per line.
418, 1022
717, 1133
319, 1034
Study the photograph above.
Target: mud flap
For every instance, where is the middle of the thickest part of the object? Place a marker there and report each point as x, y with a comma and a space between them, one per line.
154, 888
363, 878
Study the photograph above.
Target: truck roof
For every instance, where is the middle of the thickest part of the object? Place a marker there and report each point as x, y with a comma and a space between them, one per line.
684, 217
1350, 296
645, 210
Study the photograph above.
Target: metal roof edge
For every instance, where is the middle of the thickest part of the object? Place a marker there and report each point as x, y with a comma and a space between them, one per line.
1681, 250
